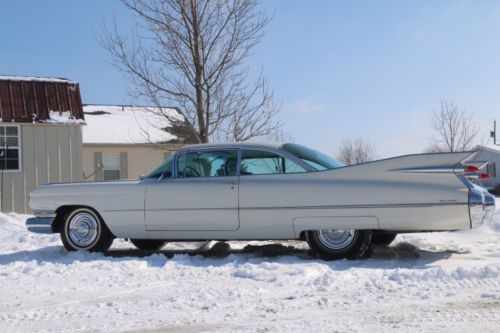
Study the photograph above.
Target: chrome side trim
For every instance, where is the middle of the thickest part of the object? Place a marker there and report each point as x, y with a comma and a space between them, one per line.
44, 214
450, 169
418, 205
40, 225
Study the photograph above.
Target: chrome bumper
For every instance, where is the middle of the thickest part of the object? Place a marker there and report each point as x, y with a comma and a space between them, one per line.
481, 207
40, 225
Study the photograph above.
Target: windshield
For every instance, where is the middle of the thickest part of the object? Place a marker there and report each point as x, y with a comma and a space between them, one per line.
314, 158
165, 169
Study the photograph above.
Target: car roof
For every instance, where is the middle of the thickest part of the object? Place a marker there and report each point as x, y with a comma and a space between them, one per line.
275, 145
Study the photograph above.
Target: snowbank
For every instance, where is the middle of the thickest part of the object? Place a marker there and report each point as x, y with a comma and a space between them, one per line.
436, 282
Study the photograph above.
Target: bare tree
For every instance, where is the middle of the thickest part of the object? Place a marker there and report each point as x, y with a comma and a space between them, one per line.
455, 129
190, 54
281, 136
355, 151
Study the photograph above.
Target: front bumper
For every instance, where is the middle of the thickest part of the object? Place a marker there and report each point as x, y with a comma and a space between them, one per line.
481, 207
40, 225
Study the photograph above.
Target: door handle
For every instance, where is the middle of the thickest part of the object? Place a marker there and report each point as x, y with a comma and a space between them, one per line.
231, 185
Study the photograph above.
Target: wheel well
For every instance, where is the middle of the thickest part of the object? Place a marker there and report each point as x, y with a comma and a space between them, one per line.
62, 211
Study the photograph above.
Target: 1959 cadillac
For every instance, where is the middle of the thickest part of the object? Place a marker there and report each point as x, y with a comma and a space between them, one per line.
253, 191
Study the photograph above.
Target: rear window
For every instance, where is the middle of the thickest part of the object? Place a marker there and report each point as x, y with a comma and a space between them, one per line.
314, 158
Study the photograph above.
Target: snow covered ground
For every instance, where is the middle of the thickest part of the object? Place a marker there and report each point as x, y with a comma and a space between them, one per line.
440, 282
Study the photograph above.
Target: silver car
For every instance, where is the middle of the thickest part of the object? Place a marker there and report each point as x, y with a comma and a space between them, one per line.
253, 191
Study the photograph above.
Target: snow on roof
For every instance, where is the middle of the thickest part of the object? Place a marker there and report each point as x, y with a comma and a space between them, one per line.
65, 117
125, 124
489, 147
35, 78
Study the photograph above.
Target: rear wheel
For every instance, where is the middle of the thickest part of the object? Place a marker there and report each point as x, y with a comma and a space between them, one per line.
83, 229
340, 243
148, 244
383, 238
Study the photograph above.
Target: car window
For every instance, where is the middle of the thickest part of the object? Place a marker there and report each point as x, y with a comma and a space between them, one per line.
316, 159
163, 170
207, 164
256, 162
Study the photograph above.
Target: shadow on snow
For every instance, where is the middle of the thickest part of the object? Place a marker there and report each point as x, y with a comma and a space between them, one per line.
401, 255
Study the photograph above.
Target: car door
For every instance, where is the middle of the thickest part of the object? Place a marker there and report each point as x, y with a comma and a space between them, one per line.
202, 195
269, 184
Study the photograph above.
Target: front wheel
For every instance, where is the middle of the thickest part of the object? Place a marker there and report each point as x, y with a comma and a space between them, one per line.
340, 243
148, 244
85, 230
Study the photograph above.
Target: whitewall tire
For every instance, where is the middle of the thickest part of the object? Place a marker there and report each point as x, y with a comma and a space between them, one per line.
84, 230
340, 244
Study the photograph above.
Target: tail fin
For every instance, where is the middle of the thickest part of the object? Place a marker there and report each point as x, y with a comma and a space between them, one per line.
431, 163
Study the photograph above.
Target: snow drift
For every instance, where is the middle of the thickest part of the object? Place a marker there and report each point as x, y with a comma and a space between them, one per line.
440, 282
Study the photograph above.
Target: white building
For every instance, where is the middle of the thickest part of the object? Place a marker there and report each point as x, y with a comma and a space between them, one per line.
490, 154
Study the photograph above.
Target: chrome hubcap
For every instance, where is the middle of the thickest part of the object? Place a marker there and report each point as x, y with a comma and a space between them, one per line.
83, 229
336, 239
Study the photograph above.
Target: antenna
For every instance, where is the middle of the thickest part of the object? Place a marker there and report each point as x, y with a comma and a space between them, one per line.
493, 134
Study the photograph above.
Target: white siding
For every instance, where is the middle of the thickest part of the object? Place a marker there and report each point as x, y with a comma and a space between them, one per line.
50, 153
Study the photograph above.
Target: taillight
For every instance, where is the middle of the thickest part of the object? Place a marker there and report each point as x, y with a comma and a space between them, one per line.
473, 171
471, 168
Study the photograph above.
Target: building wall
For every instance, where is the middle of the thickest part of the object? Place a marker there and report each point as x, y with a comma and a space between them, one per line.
136, 159
493, 158
50, 153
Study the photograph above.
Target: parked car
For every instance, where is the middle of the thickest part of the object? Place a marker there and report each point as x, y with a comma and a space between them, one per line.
253, 191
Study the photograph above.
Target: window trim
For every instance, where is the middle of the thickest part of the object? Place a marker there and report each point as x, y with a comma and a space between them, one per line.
119, 167
19, 148
279, 152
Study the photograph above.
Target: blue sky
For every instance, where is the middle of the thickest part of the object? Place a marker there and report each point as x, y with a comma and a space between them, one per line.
340, 69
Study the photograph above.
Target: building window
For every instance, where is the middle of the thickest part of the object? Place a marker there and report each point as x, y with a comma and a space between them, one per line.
492, 170
111, 166
10, 148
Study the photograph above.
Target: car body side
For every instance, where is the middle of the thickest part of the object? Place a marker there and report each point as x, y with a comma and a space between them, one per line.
405, 194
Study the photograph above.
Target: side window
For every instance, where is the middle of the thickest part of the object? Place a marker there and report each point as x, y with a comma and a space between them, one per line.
10, 149
256, 162
164, 169
207, 164
492, 169
111, 166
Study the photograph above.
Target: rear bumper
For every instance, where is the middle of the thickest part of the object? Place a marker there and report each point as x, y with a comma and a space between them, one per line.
481, 207
40, 225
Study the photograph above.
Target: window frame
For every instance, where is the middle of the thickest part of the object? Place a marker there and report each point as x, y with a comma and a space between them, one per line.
281, 153
175, 174
104, 169
19, 148
491, 168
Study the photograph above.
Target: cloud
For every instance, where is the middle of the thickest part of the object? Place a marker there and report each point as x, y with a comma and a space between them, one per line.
306, 105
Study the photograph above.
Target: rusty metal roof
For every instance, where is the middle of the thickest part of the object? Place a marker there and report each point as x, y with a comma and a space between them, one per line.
24, 98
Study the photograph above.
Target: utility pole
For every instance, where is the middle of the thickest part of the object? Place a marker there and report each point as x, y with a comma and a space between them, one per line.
493, 133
